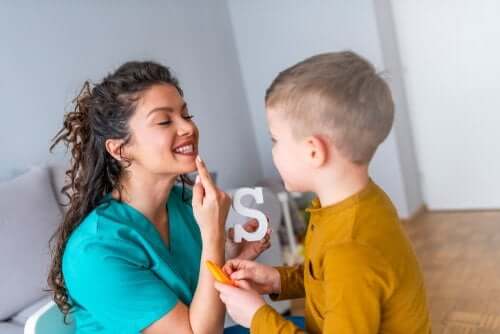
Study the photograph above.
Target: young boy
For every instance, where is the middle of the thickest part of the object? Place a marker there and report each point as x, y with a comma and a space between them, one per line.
327, 115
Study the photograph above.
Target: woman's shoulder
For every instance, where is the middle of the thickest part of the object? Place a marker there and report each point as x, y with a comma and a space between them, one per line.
99, 239
105, 224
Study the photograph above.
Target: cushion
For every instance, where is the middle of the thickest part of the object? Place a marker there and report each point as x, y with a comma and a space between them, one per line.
9, 328
21, 317
29, 215
57, 178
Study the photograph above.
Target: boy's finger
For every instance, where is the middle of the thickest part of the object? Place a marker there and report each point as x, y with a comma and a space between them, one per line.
241, 274
224, 288
243, 284
237, 264
227, 269
223, 298
217, 285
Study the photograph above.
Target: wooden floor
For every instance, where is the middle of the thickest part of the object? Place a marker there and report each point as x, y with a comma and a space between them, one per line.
460, 256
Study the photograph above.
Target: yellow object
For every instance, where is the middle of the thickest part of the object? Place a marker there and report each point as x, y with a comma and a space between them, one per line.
217, 273
360, 274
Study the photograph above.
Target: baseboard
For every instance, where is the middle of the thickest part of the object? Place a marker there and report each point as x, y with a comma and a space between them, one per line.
419, 212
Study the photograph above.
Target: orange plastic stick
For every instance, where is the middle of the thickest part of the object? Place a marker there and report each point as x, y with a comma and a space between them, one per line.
217, 273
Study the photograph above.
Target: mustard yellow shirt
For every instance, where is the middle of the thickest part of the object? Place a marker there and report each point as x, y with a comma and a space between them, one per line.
360, 273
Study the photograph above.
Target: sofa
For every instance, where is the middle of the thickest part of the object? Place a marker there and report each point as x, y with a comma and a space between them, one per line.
30, 213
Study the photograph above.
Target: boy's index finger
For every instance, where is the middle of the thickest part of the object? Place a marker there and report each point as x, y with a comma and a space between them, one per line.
221, 287
225, 288
227, 269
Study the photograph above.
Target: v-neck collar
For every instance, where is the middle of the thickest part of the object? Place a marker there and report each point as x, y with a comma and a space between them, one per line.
144, 225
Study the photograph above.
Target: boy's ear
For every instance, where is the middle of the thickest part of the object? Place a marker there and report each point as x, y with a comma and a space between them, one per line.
317, 150
115, 148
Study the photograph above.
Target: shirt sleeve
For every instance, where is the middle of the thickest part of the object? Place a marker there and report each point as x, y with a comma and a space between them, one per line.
292, 283
356, 281
112, 280
267, 320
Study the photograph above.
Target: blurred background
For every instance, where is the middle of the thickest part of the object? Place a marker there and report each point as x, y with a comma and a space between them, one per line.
440, 164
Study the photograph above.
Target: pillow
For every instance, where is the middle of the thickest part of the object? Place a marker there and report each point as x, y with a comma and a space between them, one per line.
57, 173
21, 317
29, 215
8, 328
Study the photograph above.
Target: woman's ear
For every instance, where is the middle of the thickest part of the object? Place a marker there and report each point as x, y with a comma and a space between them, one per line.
318, 153
115, 148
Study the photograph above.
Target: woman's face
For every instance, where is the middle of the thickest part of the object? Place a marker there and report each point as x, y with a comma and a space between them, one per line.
164, 139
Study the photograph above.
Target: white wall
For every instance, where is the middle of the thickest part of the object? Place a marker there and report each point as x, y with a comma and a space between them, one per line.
49, 48
450, 51
272, 35
403, 124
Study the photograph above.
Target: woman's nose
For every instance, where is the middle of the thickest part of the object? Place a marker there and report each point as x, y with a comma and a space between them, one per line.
185, 127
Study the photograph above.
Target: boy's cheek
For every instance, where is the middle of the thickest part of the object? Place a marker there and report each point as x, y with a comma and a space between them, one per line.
290, 171
295, 186
293, 179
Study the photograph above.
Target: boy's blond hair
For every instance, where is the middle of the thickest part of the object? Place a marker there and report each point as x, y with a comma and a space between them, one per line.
336, 94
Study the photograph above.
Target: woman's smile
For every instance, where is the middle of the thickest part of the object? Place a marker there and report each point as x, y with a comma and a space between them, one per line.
186, 148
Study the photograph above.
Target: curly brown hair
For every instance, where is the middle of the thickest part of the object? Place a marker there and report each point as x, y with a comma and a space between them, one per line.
100, 113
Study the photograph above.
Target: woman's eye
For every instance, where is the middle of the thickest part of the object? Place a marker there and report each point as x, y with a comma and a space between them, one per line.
273, 141
188, 116
165, 123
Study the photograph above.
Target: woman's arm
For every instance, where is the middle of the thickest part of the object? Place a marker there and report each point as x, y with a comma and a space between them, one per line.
206, 312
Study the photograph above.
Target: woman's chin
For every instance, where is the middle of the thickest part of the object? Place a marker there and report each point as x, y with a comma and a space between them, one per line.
188, 166
182, 163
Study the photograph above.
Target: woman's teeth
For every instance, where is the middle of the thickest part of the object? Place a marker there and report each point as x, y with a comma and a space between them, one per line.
185, 149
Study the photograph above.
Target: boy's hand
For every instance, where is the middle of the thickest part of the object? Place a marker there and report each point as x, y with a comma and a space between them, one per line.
261, 278
247, 250
241, 302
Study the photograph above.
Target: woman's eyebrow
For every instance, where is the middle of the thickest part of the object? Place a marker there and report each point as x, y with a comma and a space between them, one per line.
167, 109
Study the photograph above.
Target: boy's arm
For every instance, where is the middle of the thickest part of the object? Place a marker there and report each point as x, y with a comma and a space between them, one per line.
267, 320
292, 283
356, 282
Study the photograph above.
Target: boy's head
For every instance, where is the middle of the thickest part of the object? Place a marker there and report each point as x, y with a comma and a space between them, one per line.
333, 106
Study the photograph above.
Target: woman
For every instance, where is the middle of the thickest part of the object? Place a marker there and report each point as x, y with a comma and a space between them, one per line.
129, 254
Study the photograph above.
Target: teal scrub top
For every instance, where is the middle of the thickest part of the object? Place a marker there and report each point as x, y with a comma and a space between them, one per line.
120, 275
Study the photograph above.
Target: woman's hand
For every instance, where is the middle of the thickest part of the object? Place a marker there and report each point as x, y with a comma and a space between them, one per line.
247, 250
241, 302
210, 204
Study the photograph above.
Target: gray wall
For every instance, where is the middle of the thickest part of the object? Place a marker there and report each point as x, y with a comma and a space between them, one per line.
49, 48
272, 35
224, 52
